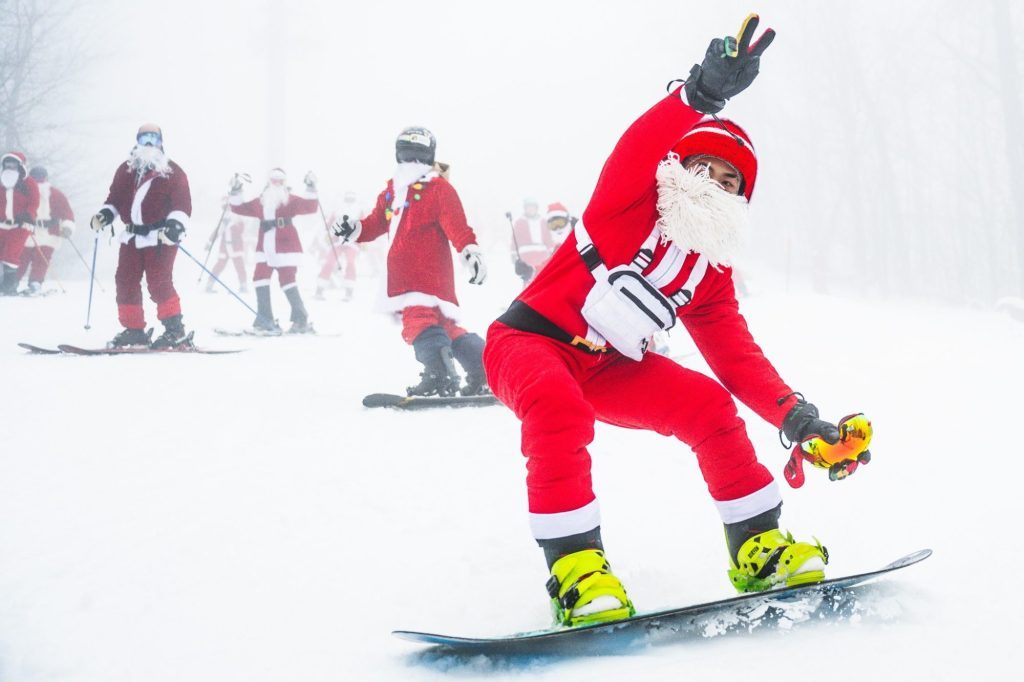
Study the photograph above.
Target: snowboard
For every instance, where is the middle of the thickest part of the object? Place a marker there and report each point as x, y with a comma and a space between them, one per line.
403, 402
831, 597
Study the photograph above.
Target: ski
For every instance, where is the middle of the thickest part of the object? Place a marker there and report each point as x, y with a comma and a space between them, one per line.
831, 597
38, 350
142, 350
403, 402
252, 333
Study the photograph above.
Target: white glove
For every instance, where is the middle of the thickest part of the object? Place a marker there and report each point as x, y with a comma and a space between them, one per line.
236, 182
310, 181
474, 262
346, 229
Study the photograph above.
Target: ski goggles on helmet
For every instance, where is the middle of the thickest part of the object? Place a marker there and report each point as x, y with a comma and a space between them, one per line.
149, 138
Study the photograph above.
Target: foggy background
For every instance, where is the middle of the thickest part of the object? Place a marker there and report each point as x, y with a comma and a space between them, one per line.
889, 134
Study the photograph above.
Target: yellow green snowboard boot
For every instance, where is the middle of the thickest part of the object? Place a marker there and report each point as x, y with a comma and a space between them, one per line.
774, 559
583, 590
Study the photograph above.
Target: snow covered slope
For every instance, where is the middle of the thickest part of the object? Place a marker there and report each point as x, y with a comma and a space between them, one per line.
242, 517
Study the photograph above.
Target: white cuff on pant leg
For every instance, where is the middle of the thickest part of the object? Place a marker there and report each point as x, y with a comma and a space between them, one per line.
749, 506
562, 524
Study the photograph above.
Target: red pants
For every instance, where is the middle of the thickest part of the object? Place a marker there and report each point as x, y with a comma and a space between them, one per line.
416, 318
35, 261
285, 276
11, 244
222, 262
557, 391
157, 263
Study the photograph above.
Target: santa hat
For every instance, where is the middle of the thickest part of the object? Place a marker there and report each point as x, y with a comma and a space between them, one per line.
19, 157
557, 210
724, 140
277, 175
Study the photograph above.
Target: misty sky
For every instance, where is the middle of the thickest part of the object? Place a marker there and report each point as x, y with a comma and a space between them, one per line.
859, 105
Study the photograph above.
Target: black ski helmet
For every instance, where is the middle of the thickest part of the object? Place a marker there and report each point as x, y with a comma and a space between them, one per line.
415, 144
38, 173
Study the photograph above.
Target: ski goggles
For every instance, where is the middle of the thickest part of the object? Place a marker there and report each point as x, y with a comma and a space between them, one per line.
11, 164
149, 139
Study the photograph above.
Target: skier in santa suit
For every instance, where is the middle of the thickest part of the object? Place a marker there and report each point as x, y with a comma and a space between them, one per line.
559, 222
278, 247
150, 194
336, 255
54, 222
664, 216
421, 214
19, 200
231, 249
532, 244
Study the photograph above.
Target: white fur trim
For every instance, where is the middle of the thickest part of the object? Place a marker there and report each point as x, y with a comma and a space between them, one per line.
411, 298
261, 283
717, 130
67, 224
43, 212
563, 524
140, 196
271, 257
180, 216
696, 214
734, 511
111, 208
9, 207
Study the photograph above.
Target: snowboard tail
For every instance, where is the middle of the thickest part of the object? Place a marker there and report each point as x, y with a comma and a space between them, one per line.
402, 402
832, 596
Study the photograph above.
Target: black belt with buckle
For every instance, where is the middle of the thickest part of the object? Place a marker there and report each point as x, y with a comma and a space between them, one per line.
524, 318
266, 225
143, 230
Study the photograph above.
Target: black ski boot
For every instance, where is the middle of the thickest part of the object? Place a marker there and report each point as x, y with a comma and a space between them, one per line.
434, 349
174, 336
8, 281
300, 318
132, 337
468, 350
264, 324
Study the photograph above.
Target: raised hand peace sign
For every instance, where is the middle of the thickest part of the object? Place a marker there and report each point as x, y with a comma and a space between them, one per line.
730, 66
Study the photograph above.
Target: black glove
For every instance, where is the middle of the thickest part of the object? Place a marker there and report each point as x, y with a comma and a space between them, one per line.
729, 67
173, 231
523, 271
102, 220
802, 423
24, 219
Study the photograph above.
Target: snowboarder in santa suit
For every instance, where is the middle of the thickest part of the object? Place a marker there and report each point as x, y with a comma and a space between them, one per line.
278, 247
19, 200
232, 248
55, 221
532, 244
150, 194
653, 243
421, 214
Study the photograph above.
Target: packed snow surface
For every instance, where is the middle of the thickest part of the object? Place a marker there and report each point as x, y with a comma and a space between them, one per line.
242, 517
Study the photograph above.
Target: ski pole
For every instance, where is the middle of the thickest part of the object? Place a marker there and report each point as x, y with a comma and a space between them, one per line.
217, 279
92, 273
330, 237
515, 242
84, 262
46, 260
213, 240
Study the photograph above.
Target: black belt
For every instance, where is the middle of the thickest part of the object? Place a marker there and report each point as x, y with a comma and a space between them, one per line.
524, 318
53, 222
276, 222
143, 230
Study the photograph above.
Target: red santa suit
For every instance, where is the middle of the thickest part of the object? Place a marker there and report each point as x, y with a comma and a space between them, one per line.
144, 201
232, 248
278, 246
18, 206
542, 361
420, 220
53, 217
533, 239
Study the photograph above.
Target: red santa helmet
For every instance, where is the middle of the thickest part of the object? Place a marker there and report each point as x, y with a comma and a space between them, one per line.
15, 161
557, 210
724, 140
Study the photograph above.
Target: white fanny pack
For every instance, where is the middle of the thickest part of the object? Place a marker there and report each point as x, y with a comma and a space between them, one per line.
623, 308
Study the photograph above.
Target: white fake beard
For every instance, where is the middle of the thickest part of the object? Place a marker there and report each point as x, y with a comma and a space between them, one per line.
697, 215
9, 178
407, 173
144, 158
274, 196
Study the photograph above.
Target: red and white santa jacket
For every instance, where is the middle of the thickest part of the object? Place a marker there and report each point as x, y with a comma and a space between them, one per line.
533, 241
278, 245
619, 218
54, 214
419, 229
18, 205
149, 199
